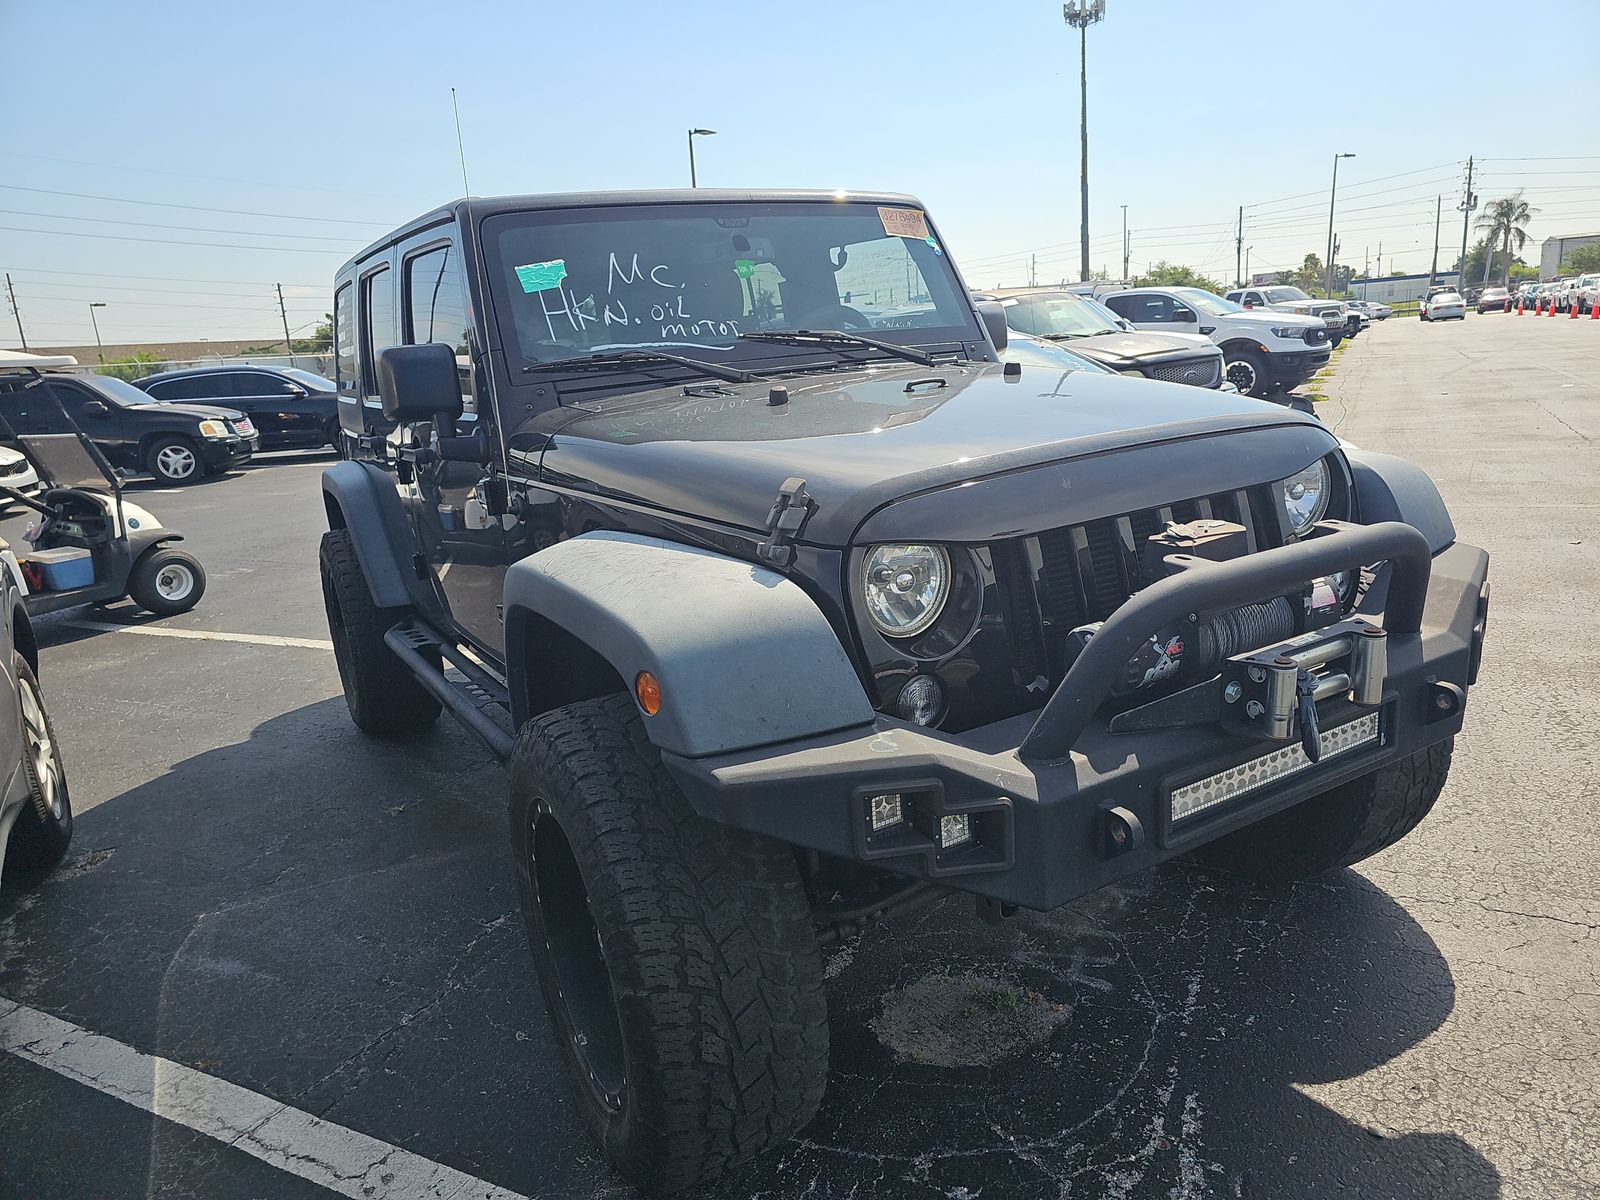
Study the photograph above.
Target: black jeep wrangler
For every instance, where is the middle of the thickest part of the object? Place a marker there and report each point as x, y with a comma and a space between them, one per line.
789, 606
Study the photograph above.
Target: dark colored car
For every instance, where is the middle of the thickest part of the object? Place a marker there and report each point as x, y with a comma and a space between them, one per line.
176, 443
785, 616
35, 808
1494, 299
290, 408
1096, 333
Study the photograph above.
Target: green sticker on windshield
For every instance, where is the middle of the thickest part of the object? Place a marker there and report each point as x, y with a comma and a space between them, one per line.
743, 268
541, 277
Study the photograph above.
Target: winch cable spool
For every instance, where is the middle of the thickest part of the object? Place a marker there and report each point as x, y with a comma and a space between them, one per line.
1239, 630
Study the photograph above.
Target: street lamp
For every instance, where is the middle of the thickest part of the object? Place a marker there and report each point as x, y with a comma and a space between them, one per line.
100, 351
694, 133
1124, 243
1080, 14
1333, 192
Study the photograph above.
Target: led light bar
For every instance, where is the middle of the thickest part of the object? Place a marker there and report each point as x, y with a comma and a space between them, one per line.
1236, 781
885, 811
954, 831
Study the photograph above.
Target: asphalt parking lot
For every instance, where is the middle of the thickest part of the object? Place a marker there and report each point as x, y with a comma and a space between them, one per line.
284, 959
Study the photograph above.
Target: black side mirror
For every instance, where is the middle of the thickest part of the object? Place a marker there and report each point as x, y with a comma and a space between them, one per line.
1184, 316
94, 408
294, 389
993, 315
419, 383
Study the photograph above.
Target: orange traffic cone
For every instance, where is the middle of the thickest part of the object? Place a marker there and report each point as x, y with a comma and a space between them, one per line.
1594, 311
1519, 308
1572, 310
1538, 308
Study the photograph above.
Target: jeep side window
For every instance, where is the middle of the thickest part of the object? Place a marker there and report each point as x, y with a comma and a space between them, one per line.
344, 339
377, 328
436, 308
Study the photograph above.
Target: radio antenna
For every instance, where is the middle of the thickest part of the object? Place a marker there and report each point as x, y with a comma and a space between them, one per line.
460, 145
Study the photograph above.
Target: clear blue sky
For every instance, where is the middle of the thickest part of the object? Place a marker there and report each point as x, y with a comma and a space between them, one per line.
341, 112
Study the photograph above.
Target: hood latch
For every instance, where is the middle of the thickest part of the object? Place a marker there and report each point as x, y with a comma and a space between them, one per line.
789, 513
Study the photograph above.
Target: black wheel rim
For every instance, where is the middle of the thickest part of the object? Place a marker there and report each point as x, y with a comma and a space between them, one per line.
577, 957
1242, 375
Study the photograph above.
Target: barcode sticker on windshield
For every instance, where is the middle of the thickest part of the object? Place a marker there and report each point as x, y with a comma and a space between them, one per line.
541, 277
904, 222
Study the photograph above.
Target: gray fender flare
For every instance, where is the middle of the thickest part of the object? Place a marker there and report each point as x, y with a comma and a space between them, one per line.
743, 656
361, 498
1392, 489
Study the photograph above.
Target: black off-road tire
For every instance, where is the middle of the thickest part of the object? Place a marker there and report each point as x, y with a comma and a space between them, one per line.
43, 830
1340, 827
383, 696
678, 960
1247, 371
166, 582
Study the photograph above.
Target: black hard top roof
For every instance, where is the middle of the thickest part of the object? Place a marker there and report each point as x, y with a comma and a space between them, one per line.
471, 209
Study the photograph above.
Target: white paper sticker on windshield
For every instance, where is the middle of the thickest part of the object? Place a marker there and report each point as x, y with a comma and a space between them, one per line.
904, 222
541, 277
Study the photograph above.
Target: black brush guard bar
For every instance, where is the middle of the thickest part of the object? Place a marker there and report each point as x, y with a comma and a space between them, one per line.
1204, 586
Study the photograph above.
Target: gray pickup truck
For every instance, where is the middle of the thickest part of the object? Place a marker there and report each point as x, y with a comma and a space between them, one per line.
1341, 322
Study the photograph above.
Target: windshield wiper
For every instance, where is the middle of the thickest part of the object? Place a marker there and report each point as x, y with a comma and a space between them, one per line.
624, 357
1063, 337
838, 339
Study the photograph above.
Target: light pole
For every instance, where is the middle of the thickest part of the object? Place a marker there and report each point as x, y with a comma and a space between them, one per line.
1332, 193
1247, 250
694, 133
100, 351
1124, 243
1080, 14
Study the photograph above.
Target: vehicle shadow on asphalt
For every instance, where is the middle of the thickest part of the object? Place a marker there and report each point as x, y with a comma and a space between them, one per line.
330, 920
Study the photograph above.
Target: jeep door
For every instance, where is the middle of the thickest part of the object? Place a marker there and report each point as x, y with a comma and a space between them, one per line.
456, 506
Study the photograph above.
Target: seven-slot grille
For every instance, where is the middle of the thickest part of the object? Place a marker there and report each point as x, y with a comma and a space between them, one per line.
1199, 372
1054, 581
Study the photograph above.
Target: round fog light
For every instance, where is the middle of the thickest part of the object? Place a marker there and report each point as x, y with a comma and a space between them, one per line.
921, 700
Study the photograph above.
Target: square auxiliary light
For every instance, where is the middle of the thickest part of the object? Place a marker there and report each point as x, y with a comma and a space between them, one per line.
885, 812
1216, 789
954, 831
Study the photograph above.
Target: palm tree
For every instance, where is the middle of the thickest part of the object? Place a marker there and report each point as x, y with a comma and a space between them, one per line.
1506, 222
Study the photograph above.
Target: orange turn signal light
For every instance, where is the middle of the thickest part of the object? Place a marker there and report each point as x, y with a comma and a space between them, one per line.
648, 691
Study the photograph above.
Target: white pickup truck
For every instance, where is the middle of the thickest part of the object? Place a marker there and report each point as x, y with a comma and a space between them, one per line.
1262, 349
1282, 298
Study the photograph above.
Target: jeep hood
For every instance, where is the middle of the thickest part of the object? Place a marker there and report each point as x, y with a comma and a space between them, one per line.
865, 440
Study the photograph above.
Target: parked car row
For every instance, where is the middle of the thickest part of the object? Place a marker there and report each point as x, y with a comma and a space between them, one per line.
1581, 292
182, 426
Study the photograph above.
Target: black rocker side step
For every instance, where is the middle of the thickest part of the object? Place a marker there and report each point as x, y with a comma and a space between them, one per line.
474, 697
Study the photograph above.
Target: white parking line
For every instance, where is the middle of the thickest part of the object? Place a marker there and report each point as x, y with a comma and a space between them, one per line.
339, 1159
204, 635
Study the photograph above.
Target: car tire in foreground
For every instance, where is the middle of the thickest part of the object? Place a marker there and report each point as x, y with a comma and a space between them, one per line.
175, 460
44, 828
1247, 371
677, 958
1339, 827
166, 581
383, 696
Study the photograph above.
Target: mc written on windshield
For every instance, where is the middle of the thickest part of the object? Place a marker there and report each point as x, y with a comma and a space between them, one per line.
572, 282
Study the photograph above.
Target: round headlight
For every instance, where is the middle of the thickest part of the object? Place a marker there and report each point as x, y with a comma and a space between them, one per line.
904, 587
1305, 495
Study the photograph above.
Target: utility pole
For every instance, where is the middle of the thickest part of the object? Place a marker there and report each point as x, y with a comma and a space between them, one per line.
1124, 243
1333, 194
1080, 14
1238, 248
1438, 207
1247, 250
1380, 258
17, 312
1468, 203
288, 345
1330, 274
1033, 271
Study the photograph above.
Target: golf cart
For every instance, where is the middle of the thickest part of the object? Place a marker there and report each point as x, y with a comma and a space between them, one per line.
89, 545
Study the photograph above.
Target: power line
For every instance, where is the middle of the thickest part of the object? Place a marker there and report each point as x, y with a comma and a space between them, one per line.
161, 278
111, 237
292, 187
300, 237
232, 212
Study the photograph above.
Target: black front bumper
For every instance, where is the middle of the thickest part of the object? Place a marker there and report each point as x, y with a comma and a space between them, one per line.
1058, 804
1296, 366
221, 453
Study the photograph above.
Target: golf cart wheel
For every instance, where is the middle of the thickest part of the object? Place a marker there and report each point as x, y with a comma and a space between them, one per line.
175, 460
44, 828
167, 582
677, 957
1340, 827
382, 695
1247, 371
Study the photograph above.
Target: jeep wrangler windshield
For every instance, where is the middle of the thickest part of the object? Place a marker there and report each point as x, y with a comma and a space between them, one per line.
586, 281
